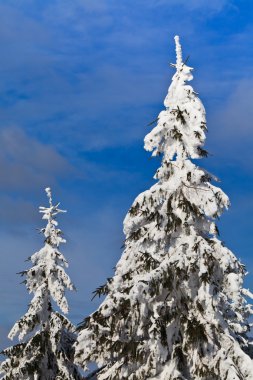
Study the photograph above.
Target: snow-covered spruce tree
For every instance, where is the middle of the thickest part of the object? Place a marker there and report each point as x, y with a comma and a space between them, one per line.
175, 308
47, 353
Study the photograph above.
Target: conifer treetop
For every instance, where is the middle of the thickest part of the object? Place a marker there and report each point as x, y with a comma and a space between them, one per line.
178, 53
47, 352
47, 278
52, 234
180, 130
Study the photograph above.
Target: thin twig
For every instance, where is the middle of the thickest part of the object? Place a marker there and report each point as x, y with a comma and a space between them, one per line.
186, 60
153, 122
90, 376
196, 188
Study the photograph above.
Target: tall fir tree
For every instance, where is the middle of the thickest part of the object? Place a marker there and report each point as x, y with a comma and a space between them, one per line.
175, 308
47, 353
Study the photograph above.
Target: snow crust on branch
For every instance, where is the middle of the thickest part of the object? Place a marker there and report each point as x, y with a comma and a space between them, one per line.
175, 308
178, 53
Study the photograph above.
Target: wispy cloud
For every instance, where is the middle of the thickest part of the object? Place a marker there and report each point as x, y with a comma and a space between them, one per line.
23, 39
66, 85
231, 130
193, 5
27, 164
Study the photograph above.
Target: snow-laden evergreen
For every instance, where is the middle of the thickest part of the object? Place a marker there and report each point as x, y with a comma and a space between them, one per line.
175, 308
47, 352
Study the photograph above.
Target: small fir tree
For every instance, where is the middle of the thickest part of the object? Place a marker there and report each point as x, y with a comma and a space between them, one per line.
175, 308
47, 353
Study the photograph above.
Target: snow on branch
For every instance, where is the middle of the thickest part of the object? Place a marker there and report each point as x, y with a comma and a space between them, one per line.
178, 52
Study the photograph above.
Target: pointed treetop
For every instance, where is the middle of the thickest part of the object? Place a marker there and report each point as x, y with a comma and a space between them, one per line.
49, 194
183, 73
50, 212
178, 52
52, 233
180, 129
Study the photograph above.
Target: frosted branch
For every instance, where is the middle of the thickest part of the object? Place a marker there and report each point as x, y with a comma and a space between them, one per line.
49, 194
178, 52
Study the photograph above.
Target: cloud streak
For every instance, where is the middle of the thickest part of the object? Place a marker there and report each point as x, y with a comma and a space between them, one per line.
231, 130
27, 164
193, 5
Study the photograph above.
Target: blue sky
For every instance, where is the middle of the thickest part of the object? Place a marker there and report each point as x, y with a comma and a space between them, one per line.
79, 82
